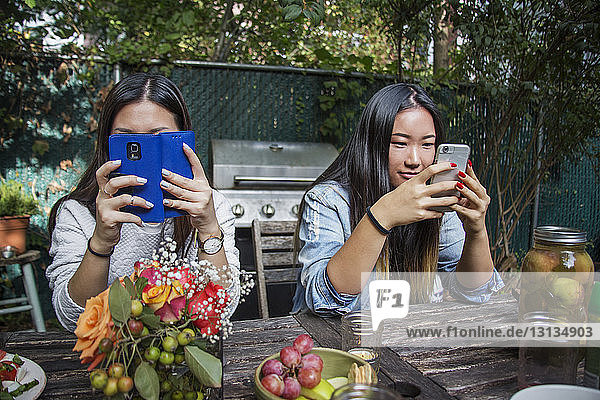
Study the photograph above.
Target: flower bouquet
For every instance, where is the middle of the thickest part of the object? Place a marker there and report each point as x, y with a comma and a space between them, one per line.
155, 333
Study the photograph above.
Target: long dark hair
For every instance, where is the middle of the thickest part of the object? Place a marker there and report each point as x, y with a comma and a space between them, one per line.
362, 167
132, 89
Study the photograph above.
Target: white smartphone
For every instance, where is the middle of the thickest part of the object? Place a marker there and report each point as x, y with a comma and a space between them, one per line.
449, 152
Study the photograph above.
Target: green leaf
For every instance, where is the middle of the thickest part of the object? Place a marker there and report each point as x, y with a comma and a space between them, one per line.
30, 3
188, 18
129, 287
149, 319
205, 367
146, 381
322, 54
119, 302
200, 343
140, 284
292, 12
40, 147
367, 62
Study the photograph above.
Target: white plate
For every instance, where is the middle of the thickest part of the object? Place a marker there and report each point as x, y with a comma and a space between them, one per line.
557, 392
28, 372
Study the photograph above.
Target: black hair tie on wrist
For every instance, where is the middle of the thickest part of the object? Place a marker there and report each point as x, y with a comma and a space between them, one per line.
379, 227
99, 254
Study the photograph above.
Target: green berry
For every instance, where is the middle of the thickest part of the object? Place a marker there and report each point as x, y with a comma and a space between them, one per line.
177, 395
125, 384
98, 379
166, 358
111, 387
166, 386
136, 308
152, 353
169, 344
116, 370
184, 338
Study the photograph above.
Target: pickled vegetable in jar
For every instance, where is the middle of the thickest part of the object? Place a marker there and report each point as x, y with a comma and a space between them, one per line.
557, 275
556, 280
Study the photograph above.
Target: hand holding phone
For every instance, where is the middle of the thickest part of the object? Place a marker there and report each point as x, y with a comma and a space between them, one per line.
455, 153
145, 155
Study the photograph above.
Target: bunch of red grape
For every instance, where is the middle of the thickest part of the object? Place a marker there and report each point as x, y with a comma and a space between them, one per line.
294, 369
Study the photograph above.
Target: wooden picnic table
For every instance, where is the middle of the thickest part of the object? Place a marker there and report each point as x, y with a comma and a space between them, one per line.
440, 373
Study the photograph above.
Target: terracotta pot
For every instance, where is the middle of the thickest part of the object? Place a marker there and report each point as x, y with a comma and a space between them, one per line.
13, 232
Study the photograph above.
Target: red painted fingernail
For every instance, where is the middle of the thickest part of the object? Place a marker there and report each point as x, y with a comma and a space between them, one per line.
461, 174
453, 165
459, 185
469, 162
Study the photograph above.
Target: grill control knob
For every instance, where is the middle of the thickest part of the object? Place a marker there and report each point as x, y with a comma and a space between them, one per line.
296, 210
237, 210
268, 210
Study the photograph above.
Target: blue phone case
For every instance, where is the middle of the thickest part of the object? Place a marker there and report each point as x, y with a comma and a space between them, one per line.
166, 147
175, 160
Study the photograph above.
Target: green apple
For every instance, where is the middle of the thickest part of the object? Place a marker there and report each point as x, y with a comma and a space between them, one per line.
568, 291
338, 381
322, 391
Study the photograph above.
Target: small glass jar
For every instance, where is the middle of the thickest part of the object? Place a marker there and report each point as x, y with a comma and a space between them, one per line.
358, 391
557, 274
548, 361
359, 338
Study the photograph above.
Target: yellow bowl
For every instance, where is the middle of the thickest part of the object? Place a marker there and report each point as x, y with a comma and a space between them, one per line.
335, 363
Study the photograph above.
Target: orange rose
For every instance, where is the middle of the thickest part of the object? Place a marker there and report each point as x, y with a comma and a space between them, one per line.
93, 325
156, 296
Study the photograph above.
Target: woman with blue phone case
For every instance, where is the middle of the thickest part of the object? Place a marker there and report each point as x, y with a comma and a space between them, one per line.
95, 240
372, 212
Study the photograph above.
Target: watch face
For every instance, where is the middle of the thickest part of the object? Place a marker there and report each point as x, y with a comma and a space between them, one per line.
212, 245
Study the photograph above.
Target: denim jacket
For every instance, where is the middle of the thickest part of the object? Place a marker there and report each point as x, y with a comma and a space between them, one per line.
325, 227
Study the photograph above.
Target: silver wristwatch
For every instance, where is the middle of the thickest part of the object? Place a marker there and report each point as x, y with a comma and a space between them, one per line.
212, 245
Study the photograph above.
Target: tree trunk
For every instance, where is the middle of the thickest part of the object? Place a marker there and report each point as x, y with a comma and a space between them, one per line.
399, 50
441, 39
219, 53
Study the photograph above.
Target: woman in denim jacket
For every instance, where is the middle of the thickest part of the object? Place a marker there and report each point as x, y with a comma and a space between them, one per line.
371, 210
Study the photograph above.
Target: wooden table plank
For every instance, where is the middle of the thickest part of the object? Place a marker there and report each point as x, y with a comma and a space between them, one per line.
251, 342
323, 330
465, 372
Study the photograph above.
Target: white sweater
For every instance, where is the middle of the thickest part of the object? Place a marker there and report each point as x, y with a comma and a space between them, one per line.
75, 225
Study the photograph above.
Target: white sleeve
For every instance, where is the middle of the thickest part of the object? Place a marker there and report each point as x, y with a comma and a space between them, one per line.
226, 220
67, 248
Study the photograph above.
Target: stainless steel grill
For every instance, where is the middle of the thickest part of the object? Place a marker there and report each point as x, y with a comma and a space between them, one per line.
266, 180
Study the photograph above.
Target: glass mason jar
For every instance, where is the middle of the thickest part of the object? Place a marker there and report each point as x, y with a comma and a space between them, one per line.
547, 361
357, 391
557, 274
556, 280
359, 338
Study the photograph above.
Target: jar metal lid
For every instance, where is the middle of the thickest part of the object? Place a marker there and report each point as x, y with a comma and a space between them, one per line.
559, 234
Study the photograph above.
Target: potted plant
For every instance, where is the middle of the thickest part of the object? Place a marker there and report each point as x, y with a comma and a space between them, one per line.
16, 206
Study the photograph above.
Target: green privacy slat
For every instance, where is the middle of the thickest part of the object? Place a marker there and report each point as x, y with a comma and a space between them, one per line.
256, 104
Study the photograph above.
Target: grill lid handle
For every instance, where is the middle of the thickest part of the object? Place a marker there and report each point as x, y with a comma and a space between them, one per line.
237, 179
